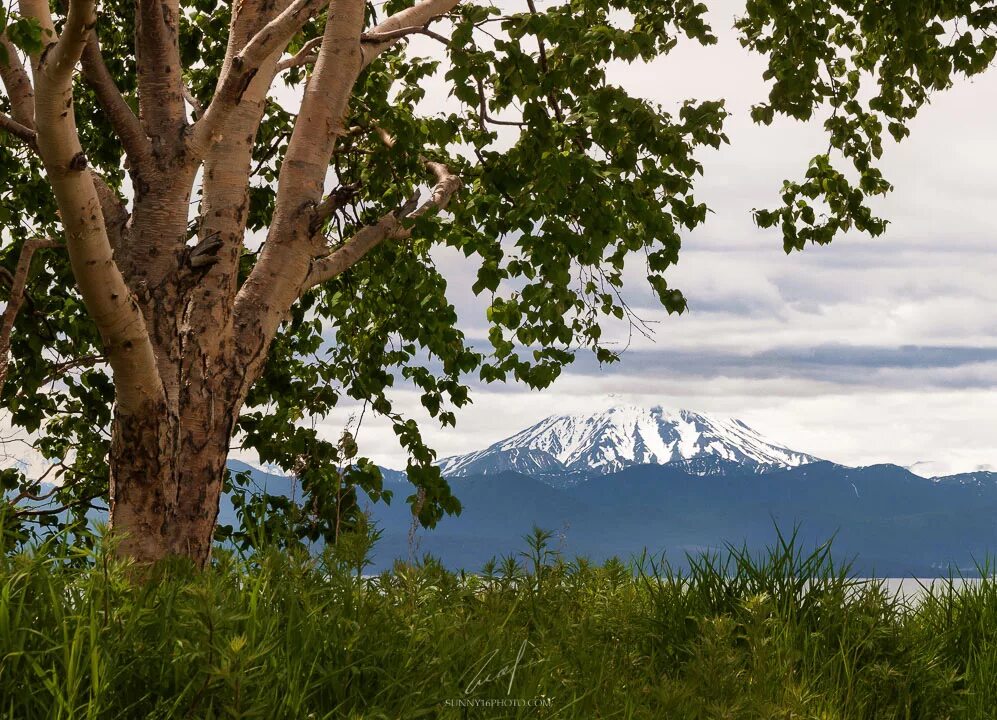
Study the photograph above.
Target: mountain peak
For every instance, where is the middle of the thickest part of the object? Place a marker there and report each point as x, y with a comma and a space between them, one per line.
609, 440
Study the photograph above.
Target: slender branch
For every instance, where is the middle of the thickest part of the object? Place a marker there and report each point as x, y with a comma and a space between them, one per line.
60, 369
195, 104
305, 56
414, 19
335, 201
16, 299
376, 38
545, 68
82, 502
389, 227
21, 132
483, 109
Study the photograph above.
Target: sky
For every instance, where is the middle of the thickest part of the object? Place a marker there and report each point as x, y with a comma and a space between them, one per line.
864, 351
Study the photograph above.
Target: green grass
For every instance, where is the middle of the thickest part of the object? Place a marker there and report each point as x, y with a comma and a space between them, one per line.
785, 635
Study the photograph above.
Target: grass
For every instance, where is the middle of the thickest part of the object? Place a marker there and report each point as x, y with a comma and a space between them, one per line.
784, 635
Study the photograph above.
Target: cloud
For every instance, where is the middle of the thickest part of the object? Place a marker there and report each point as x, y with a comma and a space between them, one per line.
868, 350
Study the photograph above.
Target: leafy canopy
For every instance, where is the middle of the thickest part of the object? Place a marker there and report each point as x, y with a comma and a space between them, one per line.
564, 175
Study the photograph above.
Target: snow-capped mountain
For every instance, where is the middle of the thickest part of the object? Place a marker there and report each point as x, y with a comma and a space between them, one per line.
608, 441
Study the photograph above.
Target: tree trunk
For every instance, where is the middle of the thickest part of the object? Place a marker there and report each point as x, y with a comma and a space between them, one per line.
167, 472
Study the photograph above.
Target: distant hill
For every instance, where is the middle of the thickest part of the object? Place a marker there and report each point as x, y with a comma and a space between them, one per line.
890, 521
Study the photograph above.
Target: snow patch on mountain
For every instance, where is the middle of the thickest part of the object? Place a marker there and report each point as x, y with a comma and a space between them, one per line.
620, 437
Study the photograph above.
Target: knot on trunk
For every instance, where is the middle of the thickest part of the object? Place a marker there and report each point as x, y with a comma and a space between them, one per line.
205, 253
78, 162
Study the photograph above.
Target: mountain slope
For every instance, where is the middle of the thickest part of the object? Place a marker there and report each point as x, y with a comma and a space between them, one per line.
622, 437
885, 519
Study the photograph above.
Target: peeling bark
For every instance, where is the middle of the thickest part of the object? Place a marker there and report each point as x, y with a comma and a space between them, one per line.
167, 473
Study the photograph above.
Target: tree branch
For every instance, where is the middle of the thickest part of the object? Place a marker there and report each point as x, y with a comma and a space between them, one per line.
545, 68
160, 75
487, 119
270, 39
335, 201
307, 54
293, 240
60, 60
389, 227
16, 298
403, 23
126, 125
195, 105
115, 213
18, 130
18, 84
377, 38
108, 299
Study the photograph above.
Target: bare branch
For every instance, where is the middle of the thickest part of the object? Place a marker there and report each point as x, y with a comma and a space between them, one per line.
305, 56
126, 125
387, 138
446, 185
18, 84
389, 227
545, 69
195, 104
483, 109
377, 38
18, 130
16, 299
336, 200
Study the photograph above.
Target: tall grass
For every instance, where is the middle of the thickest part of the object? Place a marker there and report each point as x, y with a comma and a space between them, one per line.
787, 634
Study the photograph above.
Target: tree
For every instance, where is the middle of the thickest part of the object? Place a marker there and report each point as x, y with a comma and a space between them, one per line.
159, 168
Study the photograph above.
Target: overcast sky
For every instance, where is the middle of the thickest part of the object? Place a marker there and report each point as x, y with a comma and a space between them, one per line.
864, 351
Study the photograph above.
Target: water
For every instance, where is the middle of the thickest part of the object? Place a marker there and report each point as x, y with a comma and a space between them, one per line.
912, 589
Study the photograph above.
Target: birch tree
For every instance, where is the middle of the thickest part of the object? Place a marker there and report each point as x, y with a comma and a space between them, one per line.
215, 261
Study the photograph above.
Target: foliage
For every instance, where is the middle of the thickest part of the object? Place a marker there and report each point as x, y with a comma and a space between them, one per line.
786, 634
870, 67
